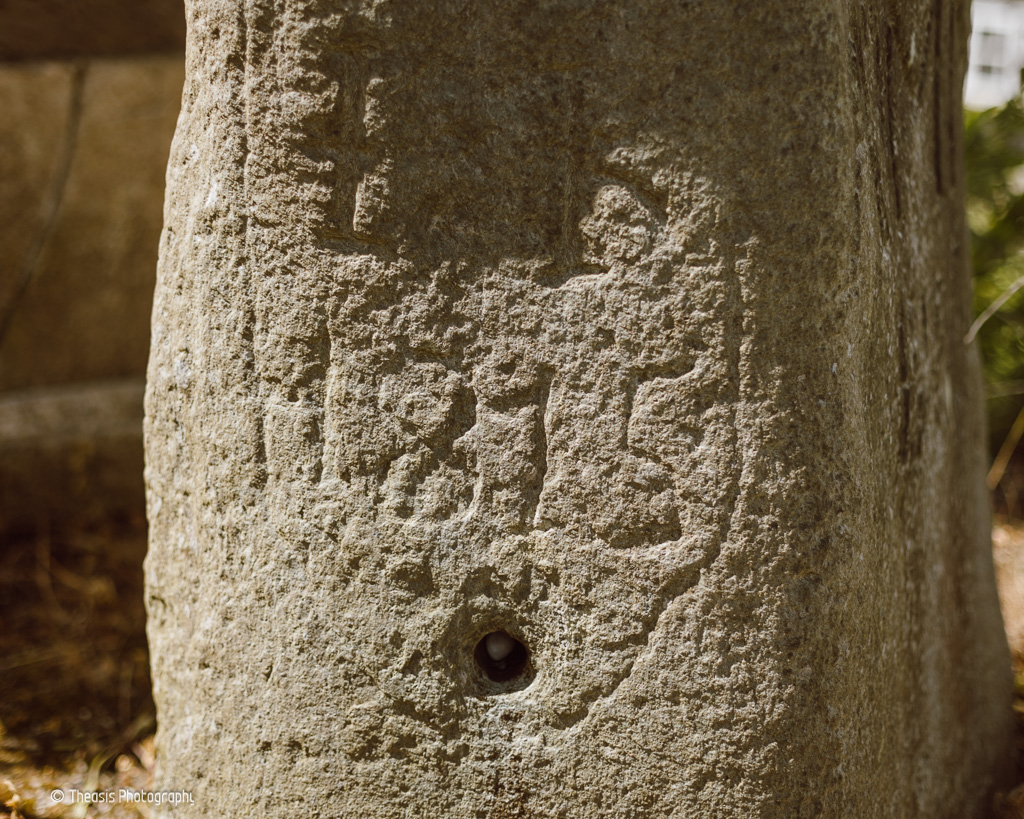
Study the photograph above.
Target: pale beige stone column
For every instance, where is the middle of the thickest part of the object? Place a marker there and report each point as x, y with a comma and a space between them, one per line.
560, 408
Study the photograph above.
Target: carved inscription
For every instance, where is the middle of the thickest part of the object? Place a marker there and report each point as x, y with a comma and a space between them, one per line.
509, 371
418, 414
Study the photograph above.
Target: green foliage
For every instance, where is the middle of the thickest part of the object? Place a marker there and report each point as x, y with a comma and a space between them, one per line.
994, 142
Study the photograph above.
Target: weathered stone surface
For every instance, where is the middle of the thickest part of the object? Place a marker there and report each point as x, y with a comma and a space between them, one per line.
630, 330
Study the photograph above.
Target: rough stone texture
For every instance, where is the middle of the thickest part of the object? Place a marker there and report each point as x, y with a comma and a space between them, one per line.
633, 330
83, 154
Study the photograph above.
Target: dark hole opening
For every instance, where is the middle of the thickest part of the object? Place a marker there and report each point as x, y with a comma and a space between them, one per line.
501, 656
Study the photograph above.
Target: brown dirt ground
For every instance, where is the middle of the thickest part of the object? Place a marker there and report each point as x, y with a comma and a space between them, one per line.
75, 704
1008, 552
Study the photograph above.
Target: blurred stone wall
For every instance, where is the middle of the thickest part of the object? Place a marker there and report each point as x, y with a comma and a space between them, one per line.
89, 95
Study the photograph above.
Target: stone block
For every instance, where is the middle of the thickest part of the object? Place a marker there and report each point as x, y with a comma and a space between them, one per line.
83, 154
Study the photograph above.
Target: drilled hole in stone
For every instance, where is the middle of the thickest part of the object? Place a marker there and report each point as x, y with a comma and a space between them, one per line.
501, 657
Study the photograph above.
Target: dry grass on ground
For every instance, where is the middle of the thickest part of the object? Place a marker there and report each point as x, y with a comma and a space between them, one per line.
1008, 552
75, 704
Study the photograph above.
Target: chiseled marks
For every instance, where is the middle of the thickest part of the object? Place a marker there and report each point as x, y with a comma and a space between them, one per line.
293, 443
509, 371
292, 387
679, 424
400, 429
510, 440
581, 409
390, 157
442, 189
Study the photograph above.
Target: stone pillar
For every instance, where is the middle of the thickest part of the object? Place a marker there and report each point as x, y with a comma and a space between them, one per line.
560, 408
